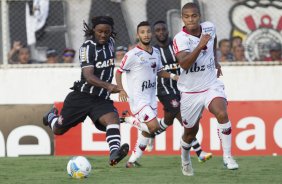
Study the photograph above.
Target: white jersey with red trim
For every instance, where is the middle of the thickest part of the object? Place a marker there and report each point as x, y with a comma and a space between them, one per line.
202, 74
141, 70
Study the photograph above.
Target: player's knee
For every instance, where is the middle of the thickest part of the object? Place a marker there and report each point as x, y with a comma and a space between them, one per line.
153, 128
222, 116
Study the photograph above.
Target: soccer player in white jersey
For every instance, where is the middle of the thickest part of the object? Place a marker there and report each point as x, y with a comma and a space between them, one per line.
142, 64
195, 51
167, 91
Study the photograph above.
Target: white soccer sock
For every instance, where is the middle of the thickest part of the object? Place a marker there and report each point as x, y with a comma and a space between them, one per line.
53, 123
136, 123
224, 133
139, 148
185, 151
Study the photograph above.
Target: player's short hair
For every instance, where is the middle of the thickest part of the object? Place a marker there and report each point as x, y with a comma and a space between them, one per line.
159, 22
96, 21
143, 23
191, 5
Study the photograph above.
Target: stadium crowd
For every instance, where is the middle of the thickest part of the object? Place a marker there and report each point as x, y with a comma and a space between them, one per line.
228, 50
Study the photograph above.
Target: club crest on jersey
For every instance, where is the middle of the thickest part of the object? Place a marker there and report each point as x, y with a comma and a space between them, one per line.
174, 103
154, 65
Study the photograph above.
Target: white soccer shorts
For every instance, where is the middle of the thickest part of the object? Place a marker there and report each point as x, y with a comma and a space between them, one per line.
146, 114
192, 104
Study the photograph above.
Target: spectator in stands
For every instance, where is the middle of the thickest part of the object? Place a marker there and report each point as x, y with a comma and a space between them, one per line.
52, 56
275, 52
239, 53
19, 54
68, 55
120, 52
224, 51
236, 41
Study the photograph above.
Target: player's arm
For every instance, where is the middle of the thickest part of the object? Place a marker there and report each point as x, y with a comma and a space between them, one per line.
122, 94
217, 65
124, 66
187, 59
165, 74
95, 81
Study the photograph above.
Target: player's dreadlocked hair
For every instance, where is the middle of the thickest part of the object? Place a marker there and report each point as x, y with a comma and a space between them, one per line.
88, 32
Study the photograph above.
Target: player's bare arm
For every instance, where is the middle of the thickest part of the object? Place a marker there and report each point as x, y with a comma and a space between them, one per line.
165, 74
217, 65
122, 94
95, 81
187, 59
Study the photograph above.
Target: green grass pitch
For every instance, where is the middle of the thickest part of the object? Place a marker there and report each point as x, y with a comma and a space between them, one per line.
155, 169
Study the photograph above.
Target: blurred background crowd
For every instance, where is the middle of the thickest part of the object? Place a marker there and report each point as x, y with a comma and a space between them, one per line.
51, 31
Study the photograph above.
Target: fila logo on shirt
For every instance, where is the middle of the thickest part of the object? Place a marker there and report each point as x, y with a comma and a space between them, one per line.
148, 84
104, 64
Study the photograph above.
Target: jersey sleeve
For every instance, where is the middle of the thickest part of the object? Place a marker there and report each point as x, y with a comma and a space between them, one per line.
86, 56
159, 63
180, 44
126, 63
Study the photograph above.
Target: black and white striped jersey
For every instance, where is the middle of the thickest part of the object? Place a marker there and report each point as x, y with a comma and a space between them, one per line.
101, 57
168, 86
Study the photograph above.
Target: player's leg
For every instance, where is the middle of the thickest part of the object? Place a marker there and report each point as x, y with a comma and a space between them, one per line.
137, 152
218, 107
202, 155
191, 112
105, 117
186, 144
74, 111
148, 116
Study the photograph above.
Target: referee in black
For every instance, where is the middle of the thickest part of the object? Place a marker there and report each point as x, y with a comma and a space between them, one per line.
91, 94
167, 91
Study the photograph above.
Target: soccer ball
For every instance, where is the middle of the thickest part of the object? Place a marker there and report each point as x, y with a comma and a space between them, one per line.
78, 167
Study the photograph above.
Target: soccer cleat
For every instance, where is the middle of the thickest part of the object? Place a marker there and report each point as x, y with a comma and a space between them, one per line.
230, 163
124, 114
150, 145
187, 169
49, 116
132, 164
204, 157
117, 155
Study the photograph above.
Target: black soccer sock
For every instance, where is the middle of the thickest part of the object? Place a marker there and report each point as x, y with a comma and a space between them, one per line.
197, 147
52, 117
163, 127
113, 137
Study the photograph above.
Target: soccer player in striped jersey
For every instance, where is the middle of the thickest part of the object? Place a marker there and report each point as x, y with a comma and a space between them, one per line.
90, 95
167, 91
195, 49
142, 65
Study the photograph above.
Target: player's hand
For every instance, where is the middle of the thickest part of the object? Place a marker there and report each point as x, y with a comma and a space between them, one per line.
112, 88
204, 40
123, 96
219, 71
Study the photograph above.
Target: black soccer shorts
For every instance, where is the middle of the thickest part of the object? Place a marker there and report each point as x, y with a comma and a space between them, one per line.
77, 106
170, 102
